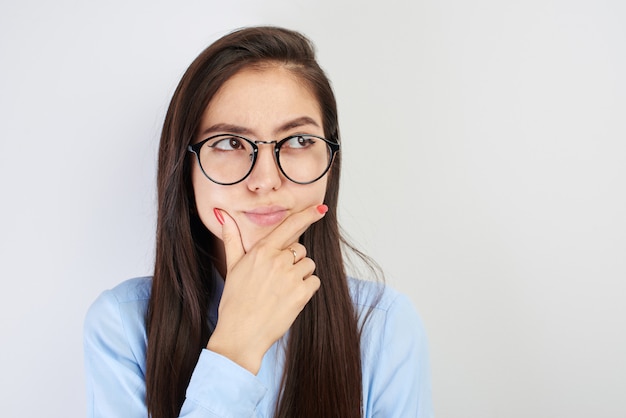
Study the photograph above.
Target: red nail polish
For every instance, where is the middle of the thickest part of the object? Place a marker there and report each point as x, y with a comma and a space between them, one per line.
219, 216
322, 209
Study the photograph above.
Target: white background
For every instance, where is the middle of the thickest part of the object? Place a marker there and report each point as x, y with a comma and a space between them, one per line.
485, 169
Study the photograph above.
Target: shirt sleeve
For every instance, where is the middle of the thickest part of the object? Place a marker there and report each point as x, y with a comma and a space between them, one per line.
115, 382
235, 393
115, 378
401, 386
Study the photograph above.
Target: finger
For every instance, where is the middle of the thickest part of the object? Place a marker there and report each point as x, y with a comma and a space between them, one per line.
231, 236
304, 268
304, 293
297, 250
312, 285
292, 227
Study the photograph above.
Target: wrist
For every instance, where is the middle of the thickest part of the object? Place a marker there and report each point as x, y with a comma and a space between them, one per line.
241, 354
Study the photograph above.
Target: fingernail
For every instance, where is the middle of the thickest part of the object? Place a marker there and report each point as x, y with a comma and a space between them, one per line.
219, 216
322, 209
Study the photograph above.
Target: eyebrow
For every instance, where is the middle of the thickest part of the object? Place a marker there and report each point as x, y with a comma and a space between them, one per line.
241, 130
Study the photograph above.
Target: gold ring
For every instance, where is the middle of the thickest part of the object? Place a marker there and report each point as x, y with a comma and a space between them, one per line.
295, 255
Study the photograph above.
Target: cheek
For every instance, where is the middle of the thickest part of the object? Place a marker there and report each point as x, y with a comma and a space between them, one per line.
208, 220
312, 194
206, 199
318, 192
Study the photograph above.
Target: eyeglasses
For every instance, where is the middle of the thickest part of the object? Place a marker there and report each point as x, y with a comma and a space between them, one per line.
228, 159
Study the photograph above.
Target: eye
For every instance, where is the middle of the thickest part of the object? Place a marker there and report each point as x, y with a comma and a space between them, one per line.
300, 141
228, 144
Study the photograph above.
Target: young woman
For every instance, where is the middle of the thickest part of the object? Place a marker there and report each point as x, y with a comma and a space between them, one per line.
250, 312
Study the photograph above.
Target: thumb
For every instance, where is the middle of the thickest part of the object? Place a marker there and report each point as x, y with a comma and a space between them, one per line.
233, 247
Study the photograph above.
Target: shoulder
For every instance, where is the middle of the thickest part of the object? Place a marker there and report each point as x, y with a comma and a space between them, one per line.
114, 344
368, 295
135, 290
386, 315
394, 352
118, 314
130, 292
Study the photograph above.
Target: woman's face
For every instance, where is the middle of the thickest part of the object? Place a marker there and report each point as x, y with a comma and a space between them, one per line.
266, 104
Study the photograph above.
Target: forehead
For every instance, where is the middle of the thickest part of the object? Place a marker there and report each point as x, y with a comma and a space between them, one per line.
262, 99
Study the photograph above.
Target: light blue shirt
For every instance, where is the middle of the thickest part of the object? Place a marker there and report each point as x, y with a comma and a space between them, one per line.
396, 374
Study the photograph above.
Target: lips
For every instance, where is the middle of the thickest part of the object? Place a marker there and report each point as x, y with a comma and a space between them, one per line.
267, 215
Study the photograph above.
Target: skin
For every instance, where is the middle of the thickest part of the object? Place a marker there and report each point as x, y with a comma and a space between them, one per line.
266, 286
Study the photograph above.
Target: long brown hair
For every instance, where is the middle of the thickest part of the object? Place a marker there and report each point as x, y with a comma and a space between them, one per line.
322, 376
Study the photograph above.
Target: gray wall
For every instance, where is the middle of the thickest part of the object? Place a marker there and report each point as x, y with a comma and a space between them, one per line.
485, 169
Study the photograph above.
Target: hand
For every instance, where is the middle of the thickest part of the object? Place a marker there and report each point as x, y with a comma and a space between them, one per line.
265, 289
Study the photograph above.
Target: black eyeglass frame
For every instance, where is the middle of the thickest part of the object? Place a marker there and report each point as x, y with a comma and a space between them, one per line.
333, 146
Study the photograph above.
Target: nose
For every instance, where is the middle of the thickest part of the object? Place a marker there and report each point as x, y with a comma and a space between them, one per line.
265, 174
